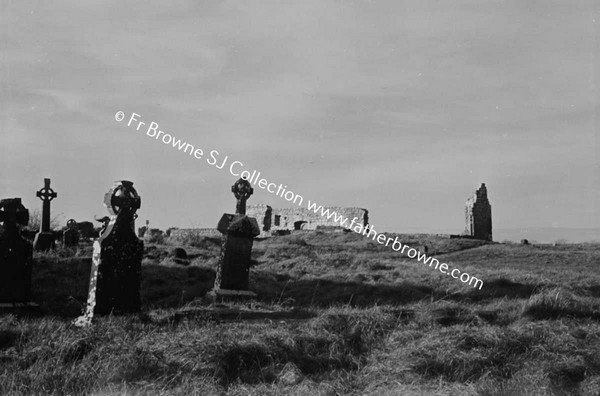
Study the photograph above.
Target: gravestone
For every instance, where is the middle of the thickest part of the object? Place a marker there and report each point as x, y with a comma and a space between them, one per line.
71, 234
44, 239
238, 232
15, 253
117, 258
86, 229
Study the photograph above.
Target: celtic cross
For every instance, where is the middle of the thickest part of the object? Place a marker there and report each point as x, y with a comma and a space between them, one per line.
242, 190
46, 194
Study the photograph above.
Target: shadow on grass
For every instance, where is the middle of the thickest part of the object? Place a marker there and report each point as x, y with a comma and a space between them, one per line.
8, 338
499, 288
60, 285
335, 341
594, 290
260, 362
173, 286
280, 288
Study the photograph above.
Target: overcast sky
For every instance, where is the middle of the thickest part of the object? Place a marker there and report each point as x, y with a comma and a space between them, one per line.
400, 107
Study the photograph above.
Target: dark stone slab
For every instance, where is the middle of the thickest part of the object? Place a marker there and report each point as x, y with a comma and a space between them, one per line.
44, 241
117, 258
71, 234
16, 253
236, 251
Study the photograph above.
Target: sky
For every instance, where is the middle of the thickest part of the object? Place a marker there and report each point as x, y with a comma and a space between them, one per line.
399, 107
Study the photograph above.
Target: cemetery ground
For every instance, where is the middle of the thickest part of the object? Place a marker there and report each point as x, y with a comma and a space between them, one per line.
357, 319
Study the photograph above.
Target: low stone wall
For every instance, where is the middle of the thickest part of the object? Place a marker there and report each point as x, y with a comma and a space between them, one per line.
179, 235
153, 235
408, 236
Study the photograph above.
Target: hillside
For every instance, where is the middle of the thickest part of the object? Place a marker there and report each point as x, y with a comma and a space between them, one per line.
372, 322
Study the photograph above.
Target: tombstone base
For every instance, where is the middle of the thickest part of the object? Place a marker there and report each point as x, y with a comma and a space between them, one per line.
16, 307
44, 241
237, 313
29, 304
222, 295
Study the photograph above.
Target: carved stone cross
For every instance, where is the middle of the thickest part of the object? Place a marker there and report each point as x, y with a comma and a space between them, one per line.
44, 239
46, 194
242, 190
238, 232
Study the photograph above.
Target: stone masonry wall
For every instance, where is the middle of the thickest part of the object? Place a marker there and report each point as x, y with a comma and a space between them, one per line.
179, 235
273, 220
478, 215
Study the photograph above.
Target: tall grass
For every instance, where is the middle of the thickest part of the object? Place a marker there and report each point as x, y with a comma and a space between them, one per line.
383, 325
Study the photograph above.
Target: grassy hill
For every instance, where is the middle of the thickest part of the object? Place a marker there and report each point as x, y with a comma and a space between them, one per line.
379, 323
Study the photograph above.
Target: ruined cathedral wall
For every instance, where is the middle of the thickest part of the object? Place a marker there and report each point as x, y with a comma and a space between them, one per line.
262, 214
185, 236
478, 215
482, 219
290, 219
304, 219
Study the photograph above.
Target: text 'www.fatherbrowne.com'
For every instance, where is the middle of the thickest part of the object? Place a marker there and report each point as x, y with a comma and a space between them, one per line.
236, 168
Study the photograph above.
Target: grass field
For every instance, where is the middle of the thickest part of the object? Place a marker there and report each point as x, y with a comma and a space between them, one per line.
379, 323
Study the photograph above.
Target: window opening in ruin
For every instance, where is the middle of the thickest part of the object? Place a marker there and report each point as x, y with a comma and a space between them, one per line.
299, 225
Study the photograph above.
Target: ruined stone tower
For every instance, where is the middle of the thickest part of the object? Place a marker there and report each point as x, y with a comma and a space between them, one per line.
478, 215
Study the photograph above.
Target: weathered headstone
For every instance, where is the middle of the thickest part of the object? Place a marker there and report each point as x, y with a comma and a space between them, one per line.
44, 240
86, 229
71, 234
117, 258
238, 232
15, 253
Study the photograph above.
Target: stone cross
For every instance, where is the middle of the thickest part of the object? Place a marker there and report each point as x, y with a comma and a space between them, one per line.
16, 253
238, 232
46, 194
117, 258
44, 239
242, 190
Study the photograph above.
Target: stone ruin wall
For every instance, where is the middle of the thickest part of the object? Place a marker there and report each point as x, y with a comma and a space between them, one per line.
478, 220
178, 235
478, 215
290, 219
273, 220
